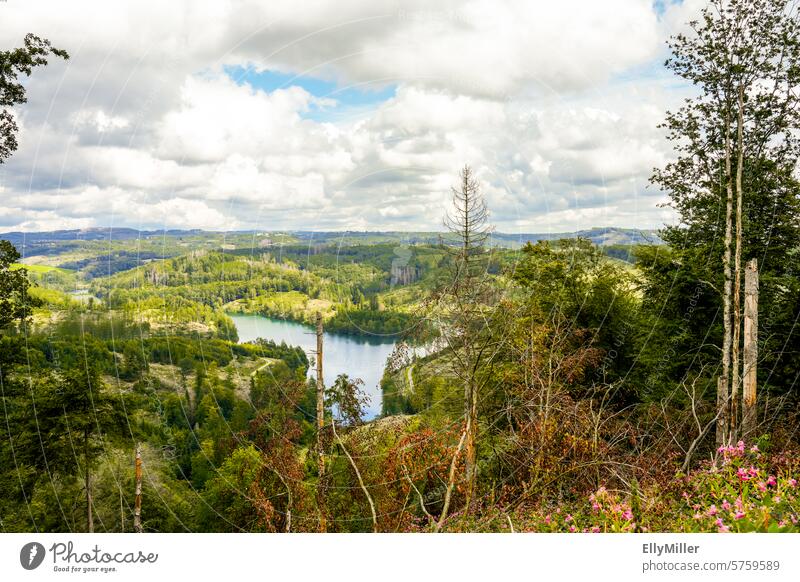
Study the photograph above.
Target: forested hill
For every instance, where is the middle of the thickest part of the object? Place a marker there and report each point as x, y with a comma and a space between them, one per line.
34, 242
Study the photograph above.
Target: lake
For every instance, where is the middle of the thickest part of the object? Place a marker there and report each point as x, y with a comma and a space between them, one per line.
357, 356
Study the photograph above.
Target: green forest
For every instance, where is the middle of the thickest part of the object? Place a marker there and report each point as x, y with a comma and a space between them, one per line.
552, 385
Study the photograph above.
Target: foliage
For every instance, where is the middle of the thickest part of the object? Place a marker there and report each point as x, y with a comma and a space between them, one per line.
15, 304
13, 63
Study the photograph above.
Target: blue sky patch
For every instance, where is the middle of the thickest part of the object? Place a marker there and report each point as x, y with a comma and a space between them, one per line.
352, 100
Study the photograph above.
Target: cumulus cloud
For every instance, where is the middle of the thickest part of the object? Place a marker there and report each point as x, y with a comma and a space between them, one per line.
555, 105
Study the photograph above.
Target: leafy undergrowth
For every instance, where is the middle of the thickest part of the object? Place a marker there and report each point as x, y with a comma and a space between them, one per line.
745, 491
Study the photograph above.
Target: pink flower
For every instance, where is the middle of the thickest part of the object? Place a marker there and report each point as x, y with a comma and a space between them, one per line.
627, 515
792, 482
568, 518
771, 481
712, 511
741, 472
572, 529
595, 506
754, 449
738, 515
595, 529
761, 486
725, 505
740, 446
721, 525
752, 471
547, 520
698, 516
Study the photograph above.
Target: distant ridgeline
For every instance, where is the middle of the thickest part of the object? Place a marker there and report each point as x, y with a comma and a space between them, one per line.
41, 241
604, 236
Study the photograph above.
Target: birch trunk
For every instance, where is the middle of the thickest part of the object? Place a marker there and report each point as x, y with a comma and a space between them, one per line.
722, 381
737, 279
137, 506
88, 484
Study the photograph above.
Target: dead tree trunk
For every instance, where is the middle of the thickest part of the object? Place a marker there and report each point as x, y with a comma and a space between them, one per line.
469, 295
320, 425
749, 409
137, 505
470, 464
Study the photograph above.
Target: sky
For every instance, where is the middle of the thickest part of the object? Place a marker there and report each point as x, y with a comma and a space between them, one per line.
341, 115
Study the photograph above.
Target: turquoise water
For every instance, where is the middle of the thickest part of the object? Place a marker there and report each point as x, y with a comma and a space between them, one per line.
356, 356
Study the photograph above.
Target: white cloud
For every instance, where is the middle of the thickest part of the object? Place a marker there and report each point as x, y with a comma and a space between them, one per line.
142, 127
183, 213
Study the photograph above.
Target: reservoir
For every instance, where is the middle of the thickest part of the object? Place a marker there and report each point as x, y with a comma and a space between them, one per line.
357, 356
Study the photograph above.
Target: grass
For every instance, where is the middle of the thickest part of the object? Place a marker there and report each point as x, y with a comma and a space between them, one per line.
39, 268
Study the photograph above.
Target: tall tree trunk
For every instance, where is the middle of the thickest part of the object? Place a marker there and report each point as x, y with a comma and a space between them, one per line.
737, 280
320, 425
87, 484
749, 411
722, 381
